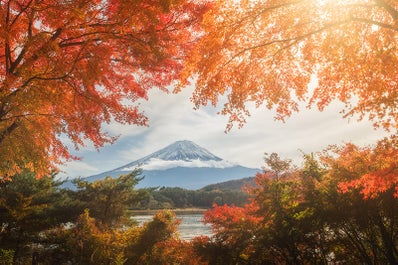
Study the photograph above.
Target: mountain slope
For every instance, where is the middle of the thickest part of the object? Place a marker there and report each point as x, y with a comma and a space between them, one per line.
235, 184
182, 164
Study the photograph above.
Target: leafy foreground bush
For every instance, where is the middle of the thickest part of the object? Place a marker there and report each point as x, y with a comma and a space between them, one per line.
42, 224
6, 256
92, 243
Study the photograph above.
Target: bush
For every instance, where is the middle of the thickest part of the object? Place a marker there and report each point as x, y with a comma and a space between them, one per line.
6, 256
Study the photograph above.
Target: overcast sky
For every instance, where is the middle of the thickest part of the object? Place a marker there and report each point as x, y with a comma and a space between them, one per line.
172, 118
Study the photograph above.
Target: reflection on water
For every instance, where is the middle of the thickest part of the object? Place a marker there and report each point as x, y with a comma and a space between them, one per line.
190, 226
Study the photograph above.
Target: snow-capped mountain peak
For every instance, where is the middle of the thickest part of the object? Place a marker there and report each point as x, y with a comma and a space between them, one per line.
182, 164
179, 154
184, 150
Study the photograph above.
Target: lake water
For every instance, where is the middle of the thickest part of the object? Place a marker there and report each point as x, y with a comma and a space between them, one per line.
190, 226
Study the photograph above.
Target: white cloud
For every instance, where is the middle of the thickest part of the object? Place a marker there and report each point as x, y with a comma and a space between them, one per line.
159, 164
76, 168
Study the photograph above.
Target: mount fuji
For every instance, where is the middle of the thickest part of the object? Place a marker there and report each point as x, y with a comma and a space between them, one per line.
181, 164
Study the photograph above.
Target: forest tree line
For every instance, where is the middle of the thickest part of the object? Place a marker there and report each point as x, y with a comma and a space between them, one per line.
229, 193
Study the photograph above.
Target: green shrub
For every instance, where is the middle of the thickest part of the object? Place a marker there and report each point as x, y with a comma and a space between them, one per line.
6, 256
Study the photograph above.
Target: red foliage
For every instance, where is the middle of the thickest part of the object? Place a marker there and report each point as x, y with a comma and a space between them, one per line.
66, 67
227, 219
376, 168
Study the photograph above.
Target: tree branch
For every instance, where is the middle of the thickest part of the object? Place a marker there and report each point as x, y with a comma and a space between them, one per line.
289, 40
372, 22
294, 40
7, 50
390, 9
21, 55
20, 13
9, 130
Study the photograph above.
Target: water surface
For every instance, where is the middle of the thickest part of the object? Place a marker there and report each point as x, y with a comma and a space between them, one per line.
191, 224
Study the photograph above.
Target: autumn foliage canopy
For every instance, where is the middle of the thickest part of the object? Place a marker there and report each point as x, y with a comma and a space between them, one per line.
66, 67
268, 52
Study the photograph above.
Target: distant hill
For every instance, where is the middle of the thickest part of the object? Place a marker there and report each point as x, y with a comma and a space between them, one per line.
229, 192
236, 184
181, 164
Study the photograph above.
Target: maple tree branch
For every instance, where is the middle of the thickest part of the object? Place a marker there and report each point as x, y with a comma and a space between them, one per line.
14, 65
8, 57
8, 12
38, 77
3, 111
25, 115
98, 24
30, 31
73, 86
21, 12
60, 77
390, 9
294, 40
11, 65
273, 7
67, 43
77, 43
56, 34
8, 130
376, 23
7, 50
253, 17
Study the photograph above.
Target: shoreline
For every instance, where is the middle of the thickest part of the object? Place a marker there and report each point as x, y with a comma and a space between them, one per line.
176, 210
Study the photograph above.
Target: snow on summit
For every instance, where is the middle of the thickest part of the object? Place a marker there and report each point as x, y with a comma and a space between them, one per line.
183, 150
179, 154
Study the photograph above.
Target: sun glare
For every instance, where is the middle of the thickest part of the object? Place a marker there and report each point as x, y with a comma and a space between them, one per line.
325, 2
322, 2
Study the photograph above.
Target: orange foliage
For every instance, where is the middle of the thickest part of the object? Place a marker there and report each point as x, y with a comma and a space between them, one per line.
66, 67
223, 213
372, 170
176, 251
268, 52
227, 221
